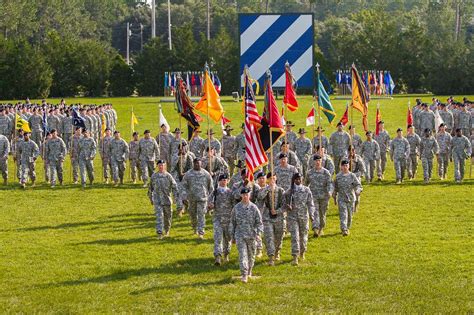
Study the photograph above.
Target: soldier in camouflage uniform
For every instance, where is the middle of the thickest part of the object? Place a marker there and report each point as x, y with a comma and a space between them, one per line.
428, 148
356, 140
216, 166
104, 152
258, 185
4, 150
461, 149
300, 207
327, 161
399, 153
54, 122
383, 139
464, 121
346, 187
164, 139
148, 152
273, 217
183, 163
118, 152
55, 152
47, 170
215, 144
447, 117
134, 161
284, 172
370, 152
245, 225
240, 145
229, 148
291, 156
290, 135
162, 185
221, 202
357, 167
414, 140
197, 144
303, 149
28, 151
324, 139
338, 144
74, 154
319, 182
444, 141
67, 128
36, 126
198, 186
6, 124
16, 152
87, 152
176, 142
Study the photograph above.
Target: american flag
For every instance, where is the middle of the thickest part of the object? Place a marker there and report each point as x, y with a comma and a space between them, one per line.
255, 156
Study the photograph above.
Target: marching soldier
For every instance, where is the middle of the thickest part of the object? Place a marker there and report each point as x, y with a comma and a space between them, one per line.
133, 157
36, 126
444, 141
461, 150
291, 156
175, 144
240, 144
383, 139
447, 117
346, 187
28, 151
67, 128
148, 152
6, 124
104, 152
355, 139
464, 121
284, 172
215, 144
164, 139
338, 144
303, 149
290, 135
414, 140
162, 185
299, 205
183, 164
399, 153
229, 148
357, 167
118, 152
55, 152
319, 182
324, 140
245, 225
259, 184
87, 152
221, 202
74, 154
370, 152
214, 164
273, 218
4, 150
428, 148
198, 186
197, 143
426, 118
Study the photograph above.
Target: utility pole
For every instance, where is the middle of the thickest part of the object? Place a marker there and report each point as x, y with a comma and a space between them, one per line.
153, 19
458, 20
169, 24
128, 43
208, 19
141, 37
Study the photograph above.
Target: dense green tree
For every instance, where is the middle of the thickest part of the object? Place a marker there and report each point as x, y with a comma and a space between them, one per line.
121, 82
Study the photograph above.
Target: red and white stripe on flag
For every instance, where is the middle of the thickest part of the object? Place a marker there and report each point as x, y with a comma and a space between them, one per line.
250, 104
255, 155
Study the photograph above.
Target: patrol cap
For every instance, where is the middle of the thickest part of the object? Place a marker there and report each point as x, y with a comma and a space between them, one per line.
160, 162
244, 190
282, 155
259, 174
344, 162
316, 157
223, 176
146, 131
399, 129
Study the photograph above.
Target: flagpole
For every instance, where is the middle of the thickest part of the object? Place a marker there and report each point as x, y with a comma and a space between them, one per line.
206, 69
16, 148
271, 142
71, 152
319, 116
350, 135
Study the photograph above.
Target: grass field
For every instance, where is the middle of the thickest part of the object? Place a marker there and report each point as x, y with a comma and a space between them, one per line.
74, 251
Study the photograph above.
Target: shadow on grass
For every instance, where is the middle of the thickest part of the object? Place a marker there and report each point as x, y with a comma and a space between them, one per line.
192, 266
146, 239
178, 286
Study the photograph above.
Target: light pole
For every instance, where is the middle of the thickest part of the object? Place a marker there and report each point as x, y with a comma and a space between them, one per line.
153, 19
169, 24
128, 43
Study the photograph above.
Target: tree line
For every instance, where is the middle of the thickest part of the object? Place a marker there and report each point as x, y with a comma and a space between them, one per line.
77, 47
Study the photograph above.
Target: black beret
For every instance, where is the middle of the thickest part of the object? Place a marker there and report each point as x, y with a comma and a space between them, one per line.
160, 162
223, 176
244, 190
316, 157
344, 162
282, 155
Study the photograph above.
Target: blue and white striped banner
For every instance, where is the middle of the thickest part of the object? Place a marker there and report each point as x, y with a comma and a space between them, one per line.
267, 41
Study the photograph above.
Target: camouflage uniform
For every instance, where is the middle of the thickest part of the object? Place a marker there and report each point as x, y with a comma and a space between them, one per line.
245, 224
383, 139
74, 154
428, 148
370, 152
87, 152
320, 184
197, 146
426, 120
118, 152
292, 160
461, 150
223, 203
414, 140
67, 130
36, 125
357, 143
219, 166
28, 151
178, 170
399, 152
162, 185
175, 145
104, 153
444, 142
284, 175
216, 145
229, 148
135, 168
338, 145
240, 146
148, 151
303, 151
54, 122
273, 226
55, 152
4, 150
198, 186
464, 122
290, 137
346, 187
448, 119
164, 140
324, 141
300, 199
6, 126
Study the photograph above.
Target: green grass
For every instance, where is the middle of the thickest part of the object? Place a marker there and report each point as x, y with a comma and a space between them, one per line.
73, 251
